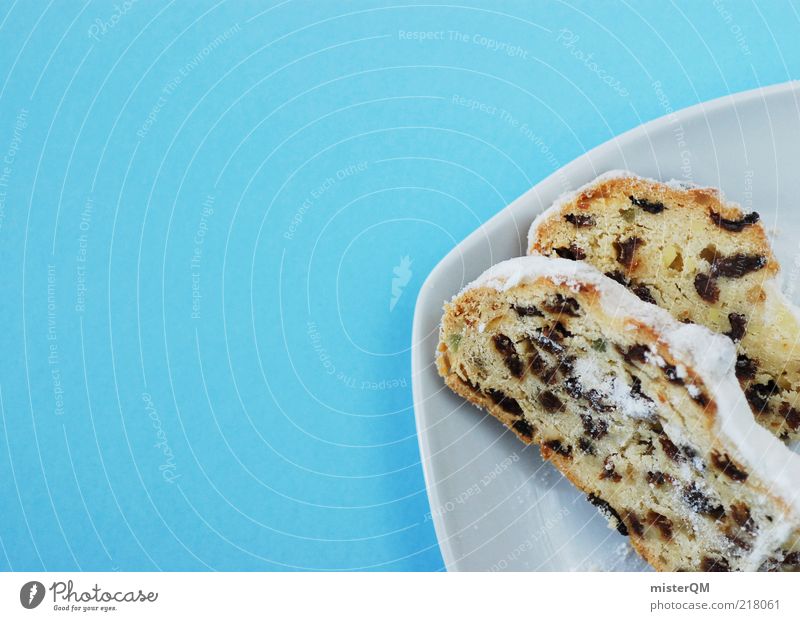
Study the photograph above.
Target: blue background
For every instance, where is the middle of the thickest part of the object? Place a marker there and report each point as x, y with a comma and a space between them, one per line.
205, 210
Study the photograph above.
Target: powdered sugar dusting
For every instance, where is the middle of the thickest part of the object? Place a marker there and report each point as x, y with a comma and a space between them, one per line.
711, 357
619, 393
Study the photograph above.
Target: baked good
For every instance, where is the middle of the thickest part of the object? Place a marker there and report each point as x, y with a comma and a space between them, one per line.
701, 258
640, 411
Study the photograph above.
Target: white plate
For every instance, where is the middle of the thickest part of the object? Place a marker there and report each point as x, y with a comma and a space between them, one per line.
494, 503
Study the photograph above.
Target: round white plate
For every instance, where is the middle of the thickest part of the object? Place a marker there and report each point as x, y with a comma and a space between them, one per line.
494, 503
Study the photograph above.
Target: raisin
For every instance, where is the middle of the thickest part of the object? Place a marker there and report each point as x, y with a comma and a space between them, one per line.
509, 404
672, 374
523, 427
700, 503
714, 564
643, 293
661, 522
738, 541
550, 376
745, 367
553, 333
560, 329
648, 206
527, 311
737, 265
636, 527
626, 251
548, 344
473, 386
580, 220
634, 353
790, 415
537, 364
740, 513
658, 478
573, 253
608, 511
700, 398
557, 447
706, 288
738, 325
636, 388
515, 365
563, 306
618, 277
670, 449
586, 446
728, 467
758, 395
549, 401
793, 558
567, 363
735, 226
573, 387
649, 446
596, 428
609, 471
595, 399
505, 346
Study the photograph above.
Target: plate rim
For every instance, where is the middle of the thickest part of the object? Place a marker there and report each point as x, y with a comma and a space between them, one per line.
420, 359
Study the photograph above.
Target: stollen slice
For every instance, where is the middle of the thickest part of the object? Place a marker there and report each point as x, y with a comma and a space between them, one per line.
705, 261
641, 412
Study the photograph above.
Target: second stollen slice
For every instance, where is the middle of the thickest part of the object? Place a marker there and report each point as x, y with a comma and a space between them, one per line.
687, 250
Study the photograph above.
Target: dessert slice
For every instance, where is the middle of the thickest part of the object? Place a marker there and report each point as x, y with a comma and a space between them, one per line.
700, 258
641, 412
